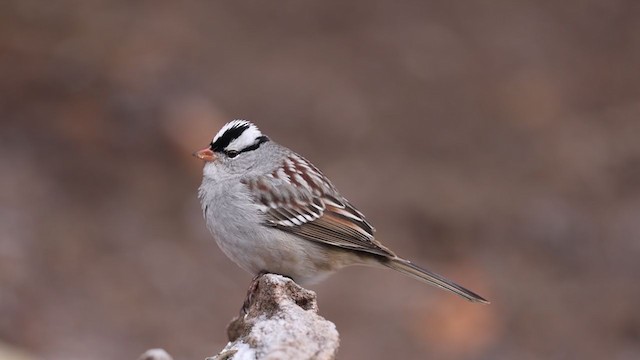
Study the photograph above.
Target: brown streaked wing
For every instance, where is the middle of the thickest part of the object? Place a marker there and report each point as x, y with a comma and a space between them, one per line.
298, 199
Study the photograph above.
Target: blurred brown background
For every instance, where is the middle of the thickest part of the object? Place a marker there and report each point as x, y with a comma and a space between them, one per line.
495, 142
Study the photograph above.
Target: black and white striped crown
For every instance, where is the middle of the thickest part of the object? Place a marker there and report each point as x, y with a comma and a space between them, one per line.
237, 136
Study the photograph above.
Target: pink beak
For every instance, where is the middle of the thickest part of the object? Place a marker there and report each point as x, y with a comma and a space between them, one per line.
205, 154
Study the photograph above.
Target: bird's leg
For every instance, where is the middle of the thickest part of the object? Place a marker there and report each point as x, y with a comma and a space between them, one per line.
253, 287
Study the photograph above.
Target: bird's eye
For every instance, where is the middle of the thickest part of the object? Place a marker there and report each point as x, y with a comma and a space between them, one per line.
232, 153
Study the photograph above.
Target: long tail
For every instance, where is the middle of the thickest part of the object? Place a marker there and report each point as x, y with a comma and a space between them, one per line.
426, 276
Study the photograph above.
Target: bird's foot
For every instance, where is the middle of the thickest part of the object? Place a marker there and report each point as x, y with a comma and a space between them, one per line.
253, 287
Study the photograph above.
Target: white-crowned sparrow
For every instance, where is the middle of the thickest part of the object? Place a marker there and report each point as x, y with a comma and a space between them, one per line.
271, 211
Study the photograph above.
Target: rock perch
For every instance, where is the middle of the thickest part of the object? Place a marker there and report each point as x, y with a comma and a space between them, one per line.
281, 322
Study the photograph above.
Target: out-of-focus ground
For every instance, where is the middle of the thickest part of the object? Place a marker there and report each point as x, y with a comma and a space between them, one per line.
495, 142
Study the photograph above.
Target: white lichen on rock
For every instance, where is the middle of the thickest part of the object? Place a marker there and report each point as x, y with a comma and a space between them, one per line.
281, 322
155, 354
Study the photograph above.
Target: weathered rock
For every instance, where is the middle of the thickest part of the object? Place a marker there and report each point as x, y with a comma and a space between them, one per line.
155, 354
281, 322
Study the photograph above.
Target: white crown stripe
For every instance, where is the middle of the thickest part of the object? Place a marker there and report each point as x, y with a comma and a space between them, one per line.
231, 124
247, 138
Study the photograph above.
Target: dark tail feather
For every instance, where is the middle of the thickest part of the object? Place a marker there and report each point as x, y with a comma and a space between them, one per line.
429, 277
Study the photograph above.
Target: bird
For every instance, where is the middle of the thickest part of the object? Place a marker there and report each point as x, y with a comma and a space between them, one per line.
270, 210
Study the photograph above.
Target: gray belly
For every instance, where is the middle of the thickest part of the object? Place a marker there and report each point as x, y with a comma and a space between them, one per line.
239, 228
256, 248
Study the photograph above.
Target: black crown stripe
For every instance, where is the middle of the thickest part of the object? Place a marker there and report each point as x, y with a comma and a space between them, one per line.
225, 139
259, 141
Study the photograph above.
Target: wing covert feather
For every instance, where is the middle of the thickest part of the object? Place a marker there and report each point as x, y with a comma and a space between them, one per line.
297, 198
